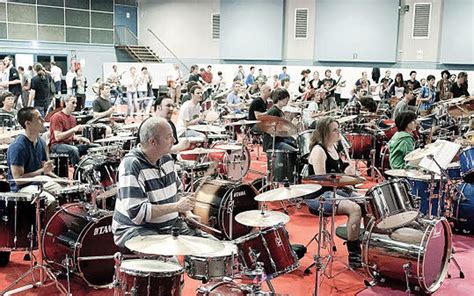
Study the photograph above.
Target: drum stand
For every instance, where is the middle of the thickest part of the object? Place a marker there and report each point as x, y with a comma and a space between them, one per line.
44, 272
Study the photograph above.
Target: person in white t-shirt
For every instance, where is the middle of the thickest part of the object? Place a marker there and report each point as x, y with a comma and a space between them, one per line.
56, 74
190, 114
312, 111
340, 84
175, 80
71, 74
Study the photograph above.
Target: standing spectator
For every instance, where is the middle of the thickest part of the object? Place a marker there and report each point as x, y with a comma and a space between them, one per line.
56, 74
340, 84
175, 81
459, 88
250, 78
71, 74
80, 85
207, 75
283, 74
13, 82
240, 75
39, 92
142, 88
3, 78
25, 77
130, 81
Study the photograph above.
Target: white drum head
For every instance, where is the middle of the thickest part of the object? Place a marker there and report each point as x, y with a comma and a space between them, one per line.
407, 235
137, 266
397, 220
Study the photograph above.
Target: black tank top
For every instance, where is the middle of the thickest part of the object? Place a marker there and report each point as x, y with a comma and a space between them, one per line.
332, 166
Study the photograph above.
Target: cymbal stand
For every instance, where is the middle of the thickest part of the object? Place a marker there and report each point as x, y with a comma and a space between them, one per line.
44, 270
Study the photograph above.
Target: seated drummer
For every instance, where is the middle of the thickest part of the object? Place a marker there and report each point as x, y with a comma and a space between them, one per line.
233, 99
7, 101
62, 129
325, 159
258, 106
190, 114
403, 104
148, 188
164, 107
102, 106
402, 142
280, 98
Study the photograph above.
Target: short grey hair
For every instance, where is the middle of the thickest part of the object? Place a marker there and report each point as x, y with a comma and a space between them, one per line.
67, 98
148, 128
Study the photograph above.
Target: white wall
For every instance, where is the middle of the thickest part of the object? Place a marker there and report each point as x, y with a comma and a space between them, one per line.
420, 50
183, 25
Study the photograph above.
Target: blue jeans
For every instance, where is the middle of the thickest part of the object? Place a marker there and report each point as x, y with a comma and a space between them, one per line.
57, 85
42, 110
132, 99
327, 205
74, 152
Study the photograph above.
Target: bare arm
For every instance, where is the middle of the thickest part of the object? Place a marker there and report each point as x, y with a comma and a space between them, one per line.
19, 171
31, 97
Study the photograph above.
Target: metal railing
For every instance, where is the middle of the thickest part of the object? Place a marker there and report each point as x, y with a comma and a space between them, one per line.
124, 36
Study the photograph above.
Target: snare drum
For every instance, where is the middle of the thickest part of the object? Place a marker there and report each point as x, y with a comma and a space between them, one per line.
145, 277
361, 145
17, 221
77, 193
84, 238
212, 205
233, 164
272, 248
463, 208
284, 165
217, 265
421, 188
454, 171
391, 204
466, 160
194, 142
425, 247
61, 164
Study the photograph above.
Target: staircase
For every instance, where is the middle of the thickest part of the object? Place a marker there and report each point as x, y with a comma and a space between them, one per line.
126, 46
140, 53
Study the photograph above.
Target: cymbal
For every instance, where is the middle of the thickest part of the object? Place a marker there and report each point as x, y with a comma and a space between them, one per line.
415, 174
232, 147
169, 245
291, 109
15, 195
346, 119
200, 151
212, 116
44, 179
115, 139
207, 128
109, 193
335, 180
293, 191
234, 116
192, 139
242, 122
419, 153
135, 125
258, 218
276, 126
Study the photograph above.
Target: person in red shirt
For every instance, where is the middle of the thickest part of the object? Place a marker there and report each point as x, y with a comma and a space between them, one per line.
63, 128
207, 75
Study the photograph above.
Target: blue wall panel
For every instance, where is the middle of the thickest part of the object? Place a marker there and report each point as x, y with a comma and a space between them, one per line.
252, 30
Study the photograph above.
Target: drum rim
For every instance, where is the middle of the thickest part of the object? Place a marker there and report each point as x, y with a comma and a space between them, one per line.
140, 273
213, 285
281, 151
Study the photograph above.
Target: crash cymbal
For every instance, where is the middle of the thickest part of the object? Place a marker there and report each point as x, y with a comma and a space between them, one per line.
293, 191
276, 126
229, 147
135, 125
109, 193
207, 128
169, 245
211, 116
44, 179
346, 119
115, 139
335, 180
200, 151
192, 139
419, 153
242, 122
414, 174
258, 218
15, 195
234, 116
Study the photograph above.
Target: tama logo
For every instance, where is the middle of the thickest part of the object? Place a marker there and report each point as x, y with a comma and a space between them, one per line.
102, 230
239, 193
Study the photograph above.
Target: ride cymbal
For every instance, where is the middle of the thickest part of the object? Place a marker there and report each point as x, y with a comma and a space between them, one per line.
276, 126
258, 218
293, 191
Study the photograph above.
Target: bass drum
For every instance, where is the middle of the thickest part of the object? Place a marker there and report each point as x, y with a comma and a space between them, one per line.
212, 204
74, 232
424, 247
233, 164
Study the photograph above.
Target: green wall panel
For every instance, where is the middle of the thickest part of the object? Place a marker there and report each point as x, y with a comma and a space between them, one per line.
77, 35
22, 32
59, 3
50, 16
102, 36
82, 4
3, 30
102, 20
48, 33
21, 13
77, 18
103, 5
3, 12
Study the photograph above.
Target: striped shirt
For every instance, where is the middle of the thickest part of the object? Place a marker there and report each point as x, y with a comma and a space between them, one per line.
141, 185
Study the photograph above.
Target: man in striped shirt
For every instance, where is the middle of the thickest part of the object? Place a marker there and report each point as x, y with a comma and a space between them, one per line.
148, 188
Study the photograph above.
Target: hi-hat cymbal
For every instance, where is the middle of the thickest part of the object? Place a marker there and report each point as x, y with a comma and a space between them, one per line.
234, 116
43, 179
346, 119
242, 122
293, 191
335, 180
258, 218
169, 245
276, 126
207, 128
115, 139
200, 151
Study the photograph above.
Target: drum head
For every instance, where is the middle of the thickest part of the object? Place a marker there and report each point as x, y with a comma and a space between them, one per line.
229, 249
407, 235
397, 220
154, 268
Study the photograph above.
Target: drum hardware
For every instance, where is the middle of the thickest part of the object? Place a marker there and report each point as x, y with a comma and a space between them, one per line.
45, 272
